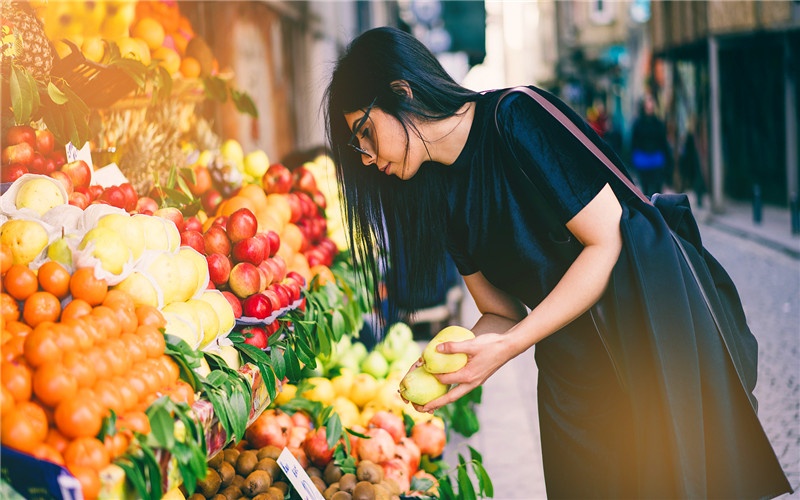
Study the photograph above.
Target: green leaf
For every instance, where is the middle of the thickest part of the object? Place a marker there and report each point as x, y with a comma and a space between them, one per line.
162, 425
333, 430
244, 103
466, 490
135, 476
55, 94
134, 69
240, 413
271, 383
292, 365
484, 481
278, 364
408, 422
217, 378
215, 88
21, 95
305, 354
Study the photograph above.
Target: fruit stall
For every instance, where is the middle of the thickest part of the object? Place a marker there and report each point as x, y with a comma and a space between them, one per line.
180, 316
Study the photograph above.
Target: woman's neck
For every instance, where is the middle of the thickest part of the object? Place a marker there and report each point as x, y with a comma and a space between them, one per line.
447, 138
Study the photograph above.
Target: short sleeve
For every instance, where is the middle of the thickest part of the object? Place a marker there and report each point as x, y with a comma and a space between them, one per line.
455, 247
567, 174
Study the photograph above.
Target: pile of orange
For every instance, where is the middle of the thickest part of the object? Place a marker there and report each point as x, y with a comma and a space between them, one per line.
63, 370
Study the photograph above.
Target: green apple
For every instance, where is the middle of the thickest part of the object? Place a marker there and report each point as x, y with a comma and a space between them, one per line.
256, 164
129, 228
421, 387
25, 238
375, 364
40, 194
397, 339
436, 362
107, 246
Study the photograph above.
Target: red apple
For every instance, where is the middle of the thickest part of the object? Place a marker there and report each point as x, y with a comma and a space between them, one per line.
304, 180
45, 142
193, 224
257, 306
113, 196
255, 336
235, 303
274, 242
19, 134
59, 158
293, 288
211, 200
79, 171
17, 153
63, 179
37, 164
263, 237
131, 196
294, 275
319, 200
242, 224
217, 241
296, 207
283, 294
202, 180
219, 268
315, 257
277, 179
173, 214
281, 269
274, 300
221, 221
244, 280
265, 279
146, 205
195, 240
309, 207
249, 250
79, 199
13, 172
94, 191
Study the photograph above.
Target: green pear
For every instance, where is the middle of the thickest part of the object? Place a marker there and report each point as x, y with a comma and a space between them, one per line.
60, 250
375, 364
436, 362
421, 387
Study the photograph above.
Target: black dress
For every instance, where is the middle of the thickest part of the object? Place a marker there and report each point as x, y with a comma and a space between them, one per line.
611, 426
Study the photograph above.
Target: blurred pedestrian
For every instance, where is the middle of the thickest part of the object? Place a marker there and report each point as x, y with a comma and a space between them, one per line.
639, 397
651, 154
689, 167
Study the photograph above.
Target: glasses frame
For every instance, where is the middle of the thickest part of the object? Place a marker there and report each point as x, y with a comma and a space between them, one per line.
357, 128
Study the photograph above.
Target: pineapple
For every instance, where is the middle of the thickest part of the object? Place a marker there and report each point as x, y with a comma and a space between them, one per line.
23, 40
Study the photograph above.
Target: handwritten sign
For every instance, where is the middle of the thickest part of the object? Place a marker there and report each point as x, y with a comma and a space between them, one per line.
85, 154
298, 476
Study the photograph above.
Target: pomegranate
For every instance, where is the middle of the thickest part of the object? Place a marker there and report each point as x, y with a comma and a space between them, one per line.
296, 436
301, 419
429, 437
266, 430
316, 447
397, 471
301, 456
408, 451
378, 448
390, 422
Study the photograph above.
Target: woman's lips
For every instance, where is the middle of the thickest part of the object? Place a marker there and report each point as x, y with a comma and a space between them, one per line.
385, 168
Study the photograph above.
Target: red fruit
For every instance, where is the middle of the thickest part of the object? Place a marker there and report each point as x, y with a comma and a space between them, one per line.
79, 199
113, 196
281, 268
301, 419
249, 250
274, 242
316, 447
255, 336
193, 224
219, 268
195, 240
94, 191
242, 224
408, 451
131, 197
309, 208
283, 295
217, 241
429, 437
378, 448
256, 306
221, 221
266, 431
295, 276
265, 238
236, 304
304, 180
45, 142
296, 436
397, 470
277, 179
13, 172
173, 214
296, 207
59, 158
211, 200
18, 153
79, 171
319, 200
244, 280
390, 422
146, 205
38, 164
19, 134
63, 179
274, 300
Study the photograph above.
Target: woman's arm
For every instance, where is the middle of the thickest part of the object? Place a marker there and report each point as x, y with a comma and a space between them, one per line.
597, 228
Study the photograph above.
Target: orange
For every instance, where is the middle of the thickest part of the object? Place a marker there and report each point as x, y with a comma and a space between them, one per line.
107, 394
44, 451
292, 237
167, 59
182, 392
234, 203
116, 445
105, 320
54, 278
323, 274
52, 383
135, 421
17, 378
78, 416
75, 308
84, 285
41, 346
56, 440
86, 452
19, 432
202, 180
149, 315
79, 367
20, 282
37, 416
9, 309
17, 328
13, 348
152, 340
122, 304
127, 394
89, 479
6, 258
149, 30
41, 306
190, 67
134, 347
256, 194
6, 401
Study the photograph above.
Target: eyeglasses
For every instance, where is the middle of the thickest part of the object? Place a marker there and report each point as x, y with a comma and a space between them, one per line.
357, 127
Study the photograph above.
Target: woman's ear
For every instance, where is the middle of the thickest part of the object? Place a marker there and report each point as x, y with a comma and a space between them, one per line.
401, 87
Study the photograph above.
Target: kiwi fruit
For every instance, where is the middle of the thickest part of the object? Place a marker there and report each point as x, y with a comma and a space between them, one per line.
237, 481
226, 474
319, 483
313, 471
342, 495
269, 465
330, 490
231, 492
281, 485
209, 486
262, 496
230, 455
347, 482
196, 496
382, 492
269, 451
215, 461
246, 463
257, 482
392, 486
332, 473
219, 496
369, 471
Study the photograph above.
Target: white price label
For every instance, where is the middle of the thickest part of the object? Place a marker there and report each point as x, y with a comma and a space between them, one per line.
85, 154
298, 476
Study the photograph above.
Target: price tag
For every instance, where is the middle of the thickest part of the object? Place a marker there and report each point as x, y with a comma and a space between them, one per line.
298, 476
85, 154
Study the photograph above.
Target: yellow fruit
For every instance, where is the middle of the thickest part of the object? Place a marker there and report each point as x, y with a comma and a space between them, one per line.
209, 320
167, 58
142, 288
189, 67
287, 393
180, 327
436, 362
364, 389
93, 48
421, 387
343, 383
25, 238
322, 391
107, 246
149, 30
348, 412
40, 194
134, 48
223, 308
128, 228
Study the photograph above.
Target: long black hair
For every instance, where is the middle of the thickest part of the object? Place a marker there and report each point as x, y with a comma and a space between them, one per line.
397, 227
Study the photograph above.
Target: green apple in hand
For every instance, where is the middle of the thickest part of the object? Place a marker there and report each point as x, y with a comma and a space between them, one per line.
421, 387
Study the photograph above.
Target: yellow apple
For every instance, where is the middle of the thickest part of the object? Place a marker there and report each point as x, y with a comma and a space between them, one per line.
107, 246
180, 327
143, 289
209, 320
436, 362
223, 308
364, 389
129, 228
25, 238
421, 387
256, 164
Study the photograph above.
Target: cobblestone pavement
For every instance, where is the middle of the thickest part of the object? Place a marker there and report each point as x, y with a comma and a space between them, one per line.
769, 283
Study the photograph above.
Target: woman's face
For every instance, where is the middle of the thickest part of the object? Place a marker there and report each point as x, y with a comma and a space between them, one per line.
383, 138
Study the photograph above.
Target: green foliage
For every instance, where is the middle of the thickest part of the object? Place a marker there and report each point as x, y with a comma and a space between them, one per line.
462, 486
460, 415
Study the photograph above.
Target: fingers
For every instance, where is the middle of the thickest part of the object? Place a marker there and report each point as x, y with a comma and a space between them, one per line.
452, 395
463, 346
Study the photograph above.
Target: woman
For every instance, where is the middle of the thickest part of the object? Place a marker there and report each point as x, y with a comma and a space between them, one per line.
426, 167
651, 154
